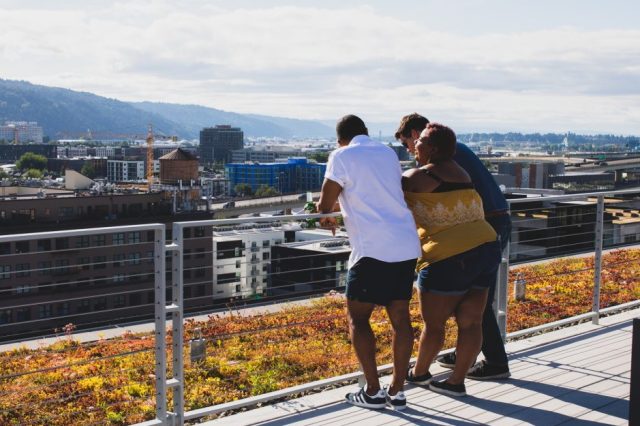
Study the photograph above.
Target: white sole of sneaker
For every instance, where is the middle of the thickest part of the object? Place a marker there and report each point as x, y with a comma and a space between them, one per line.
396, 407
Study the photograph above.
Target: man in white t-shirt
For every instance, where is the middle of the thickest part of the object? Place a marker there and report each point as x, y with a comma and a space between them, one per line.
364, 175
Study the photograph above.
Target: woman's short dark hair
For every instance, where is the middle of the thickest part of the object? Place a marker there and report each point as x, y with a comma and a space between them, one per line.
411, 122
350, 126
443, 138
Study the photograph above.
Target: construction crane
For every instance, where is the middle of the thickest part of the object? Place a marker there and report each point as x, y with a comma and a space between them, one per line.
150, 156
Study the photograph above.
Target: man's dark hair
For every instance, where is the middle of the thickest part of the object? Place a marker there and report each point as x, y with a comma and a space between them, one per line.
349, 127
411, 122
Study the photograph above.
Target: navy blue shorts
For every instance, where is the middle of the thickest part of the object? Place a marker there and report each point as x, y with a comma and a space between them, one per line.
374, 281
476, 268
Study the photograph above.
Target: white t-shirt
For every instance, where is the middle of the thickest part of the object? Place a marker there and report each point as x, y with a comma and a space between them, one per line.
375, 214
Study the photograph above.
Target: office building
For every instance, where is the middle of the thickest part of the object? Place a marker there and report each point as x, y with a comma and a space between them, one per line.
216, 143
21, 132
296, 175
48, 281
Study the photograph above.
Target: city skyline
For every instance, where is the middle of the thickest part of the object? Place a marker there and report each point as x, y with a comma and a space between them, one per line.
477, 66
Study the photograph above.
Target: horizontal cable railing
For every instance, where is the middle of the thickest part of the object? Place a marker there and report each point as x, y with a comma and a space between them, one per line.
246, 346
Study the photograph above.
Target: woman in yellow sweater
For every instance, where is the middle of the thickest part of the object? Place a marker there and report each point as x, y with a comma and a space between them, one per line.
460, 256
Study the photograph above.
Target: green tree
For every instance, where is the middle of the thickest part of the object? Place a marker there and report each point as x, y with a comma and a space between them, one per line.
29, 160
265, 191
242, 189
88, 170
319, 156
3, 174
34, 174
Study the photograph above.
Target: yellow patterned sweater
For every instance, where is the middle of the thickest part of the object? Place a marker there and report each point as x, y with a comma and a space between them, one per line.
449, 223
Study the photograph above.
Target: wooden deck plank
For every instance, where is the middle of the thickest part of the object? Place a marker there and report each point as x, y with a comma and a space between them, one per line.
574, 376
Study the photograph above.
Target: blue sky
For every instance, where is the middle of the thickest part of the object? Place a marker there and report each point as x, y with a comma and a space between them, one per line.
475, 65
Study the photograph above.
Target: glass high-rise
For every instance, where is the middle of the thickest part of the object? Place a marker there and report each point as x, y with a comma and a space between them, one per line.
216, 143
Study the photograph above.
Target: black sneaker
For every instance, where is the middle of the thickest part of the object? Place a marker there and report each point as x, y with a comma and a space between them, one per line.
361, 399
447, 360
396, 402
485, 371
425, 379
447, 388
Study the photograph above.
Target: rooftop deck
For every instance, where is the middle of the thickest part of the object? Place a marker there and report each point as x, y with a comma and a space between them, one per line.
574, 376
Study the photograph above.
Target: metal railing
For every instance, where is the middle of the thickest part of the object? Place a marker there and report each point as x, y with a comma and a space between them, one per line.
211, 272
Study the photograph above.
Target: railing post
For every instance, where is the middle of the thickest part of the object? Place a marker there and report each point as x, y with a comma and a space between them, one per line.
160, 311
177, 322
502, 292
597, 261
634, 394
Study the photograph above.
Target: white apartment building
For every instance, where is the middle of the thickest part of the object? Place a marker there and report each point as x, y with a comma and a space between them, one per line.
71, 151
23, 131
125, 171
105, 151
241, 258
242, 255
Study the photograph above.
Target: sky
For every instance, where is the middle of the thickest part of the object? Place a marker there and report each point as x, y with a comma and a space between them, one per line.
483, 65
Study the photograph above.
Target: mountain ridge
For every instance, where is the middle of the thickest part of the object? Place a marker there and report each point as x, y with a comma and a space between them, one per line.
66, 113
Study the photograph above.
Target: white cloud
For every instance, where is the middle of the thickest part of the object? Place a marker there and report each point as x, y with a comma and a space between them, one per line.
312, 62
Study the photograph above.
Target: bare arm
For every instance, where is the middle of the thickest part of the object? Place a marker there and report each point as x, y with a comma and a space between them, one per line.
329, 196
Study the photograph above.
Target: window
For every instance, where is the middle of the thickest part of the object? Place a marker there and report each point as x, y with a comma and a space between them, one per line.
238, 288
186, 233
82, 242
134, 258
101, 240
265, 256
150, 257
186, 274
62, 243
227, 278
5, 248
187, 254
22, 246
238, 263
100, 303
118, 278
134, 237
63, 308
85, 263
65, 212
5, 272
5, 316
44, 245
45, 311
62, 267
200, 253
199, 231
119, 301
23, 270
118, 239
99, 262
84, 305
266, 243
23, 314
118, 259
22, 289
151, 236
199, 272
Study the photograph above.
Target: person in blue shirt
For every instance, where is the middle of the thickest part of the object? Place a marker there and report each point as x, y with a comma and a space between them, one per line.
496, 211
